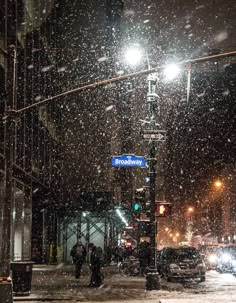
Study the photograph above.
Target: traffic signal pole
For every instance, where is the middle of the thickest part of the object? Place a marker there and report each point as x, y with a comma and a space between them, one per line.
152, 161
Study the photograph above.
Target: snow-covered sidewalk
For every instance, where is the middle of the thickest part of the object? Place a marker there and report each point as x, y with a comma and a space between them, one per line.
52, 284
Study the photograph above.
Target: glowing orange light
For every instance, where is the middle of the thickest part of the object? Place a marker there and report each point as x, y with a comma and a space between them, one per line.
218, 184
190, 209
162, 209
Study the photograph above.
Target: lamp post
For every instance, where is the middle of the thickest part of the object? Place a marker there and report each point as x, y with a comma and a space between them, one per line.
190, 211
152, 106
133, 55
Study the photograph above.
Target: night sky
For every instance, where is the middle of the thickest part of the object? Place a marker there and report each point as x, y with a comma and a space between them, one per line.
201, 134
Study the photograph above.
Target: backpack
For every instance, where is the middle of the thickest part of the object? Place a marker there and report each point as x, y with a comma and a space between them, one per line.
99, 254
79, 252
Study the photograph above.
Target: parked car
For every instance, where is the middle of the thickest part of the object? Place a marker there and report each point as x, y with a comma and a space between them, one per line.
181, 263
226, 259
209, 254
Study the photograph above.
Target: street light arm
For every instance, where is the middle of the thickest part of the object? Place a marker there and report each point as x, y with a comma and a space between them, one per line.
123, 77
88, 86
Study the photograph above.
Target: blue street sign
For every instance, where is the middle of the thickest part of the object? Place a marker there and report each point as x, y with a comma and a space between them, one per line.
128, 160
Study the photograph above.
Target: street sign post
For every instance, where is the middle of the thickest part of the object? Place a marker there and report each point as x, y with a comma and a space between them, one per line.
128, 160
154, 135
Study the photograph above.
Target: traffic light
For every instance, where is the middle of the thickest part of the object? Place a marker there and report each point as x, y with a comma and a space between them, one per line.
139, 200
147, 180
163, 209
137, 206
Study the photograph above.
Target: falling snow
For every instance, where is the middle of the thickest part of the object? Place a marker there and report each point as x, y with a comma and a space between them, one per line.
57, 155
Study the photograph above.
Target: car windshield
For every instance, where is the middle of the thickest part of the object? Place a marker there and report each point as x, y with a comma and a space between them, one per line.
182, 254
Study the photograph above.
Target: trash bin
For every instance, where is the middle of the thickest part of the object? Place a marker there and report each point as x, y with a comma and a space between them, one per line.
22, 277
153, 280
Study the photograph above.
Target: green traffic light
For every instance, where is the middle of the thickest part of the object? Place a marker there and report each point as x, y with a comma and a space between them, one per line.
136, 206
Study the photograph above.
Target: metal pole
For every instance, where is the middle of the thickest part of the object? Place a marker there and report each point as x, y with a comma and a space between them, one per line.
188, 68
152, 112
7, 202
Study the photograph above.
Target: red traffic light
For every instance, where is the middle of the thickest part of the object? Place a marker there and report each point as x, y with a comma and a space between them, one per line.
163, 209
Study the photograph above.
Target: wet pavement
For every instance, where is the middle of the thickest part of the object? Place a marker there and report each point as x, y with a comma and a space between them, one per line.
58, 284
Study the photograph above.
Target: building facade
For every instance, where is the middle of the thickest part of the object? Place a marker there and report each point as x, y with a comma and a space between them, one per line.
31, 154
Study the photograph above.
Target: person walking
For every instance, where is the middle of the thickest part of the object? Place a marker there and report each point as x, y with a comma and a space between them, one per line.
96, 279
78, 254
108, 255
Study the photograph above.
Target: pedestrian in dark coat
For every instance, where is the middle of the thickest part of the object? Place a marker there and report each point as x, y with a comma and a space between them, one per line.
78, 254
96, 276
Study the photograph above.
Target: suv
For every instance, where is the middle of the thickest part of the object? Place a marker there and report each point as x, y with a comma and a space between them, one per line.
181, 263
226, 261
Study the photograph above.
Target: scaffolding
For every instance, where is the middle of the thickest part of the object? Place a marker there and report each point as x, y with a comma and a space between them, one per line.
61, 230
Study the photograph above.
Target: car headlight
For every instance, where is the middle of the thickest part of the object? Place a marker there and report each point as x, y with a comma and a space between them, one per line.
225, 258
212, 258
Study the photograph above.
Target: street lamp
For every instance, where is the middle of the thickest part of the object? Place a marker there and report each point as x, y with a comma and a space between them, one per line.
190, 210
171, 71
133, 55
153, 135
218, 184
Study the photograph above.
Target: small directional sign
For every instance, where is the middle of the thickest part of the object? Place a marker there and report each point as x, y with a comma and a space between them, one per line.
129, 160
154, 135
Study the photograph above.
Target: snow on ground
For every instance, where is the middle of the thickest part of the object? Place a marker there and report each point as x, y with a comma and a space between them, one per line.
225, 297
218, 288
62, 288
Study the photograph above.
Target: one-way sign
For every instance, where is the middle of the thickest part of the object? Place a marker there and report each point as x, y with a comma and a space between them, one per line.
154, 134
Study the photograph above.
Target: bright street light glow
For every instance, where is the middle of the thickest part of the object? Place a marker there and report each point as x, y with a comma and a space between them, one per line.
171, 71
218, 184
190, 209
133, 56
